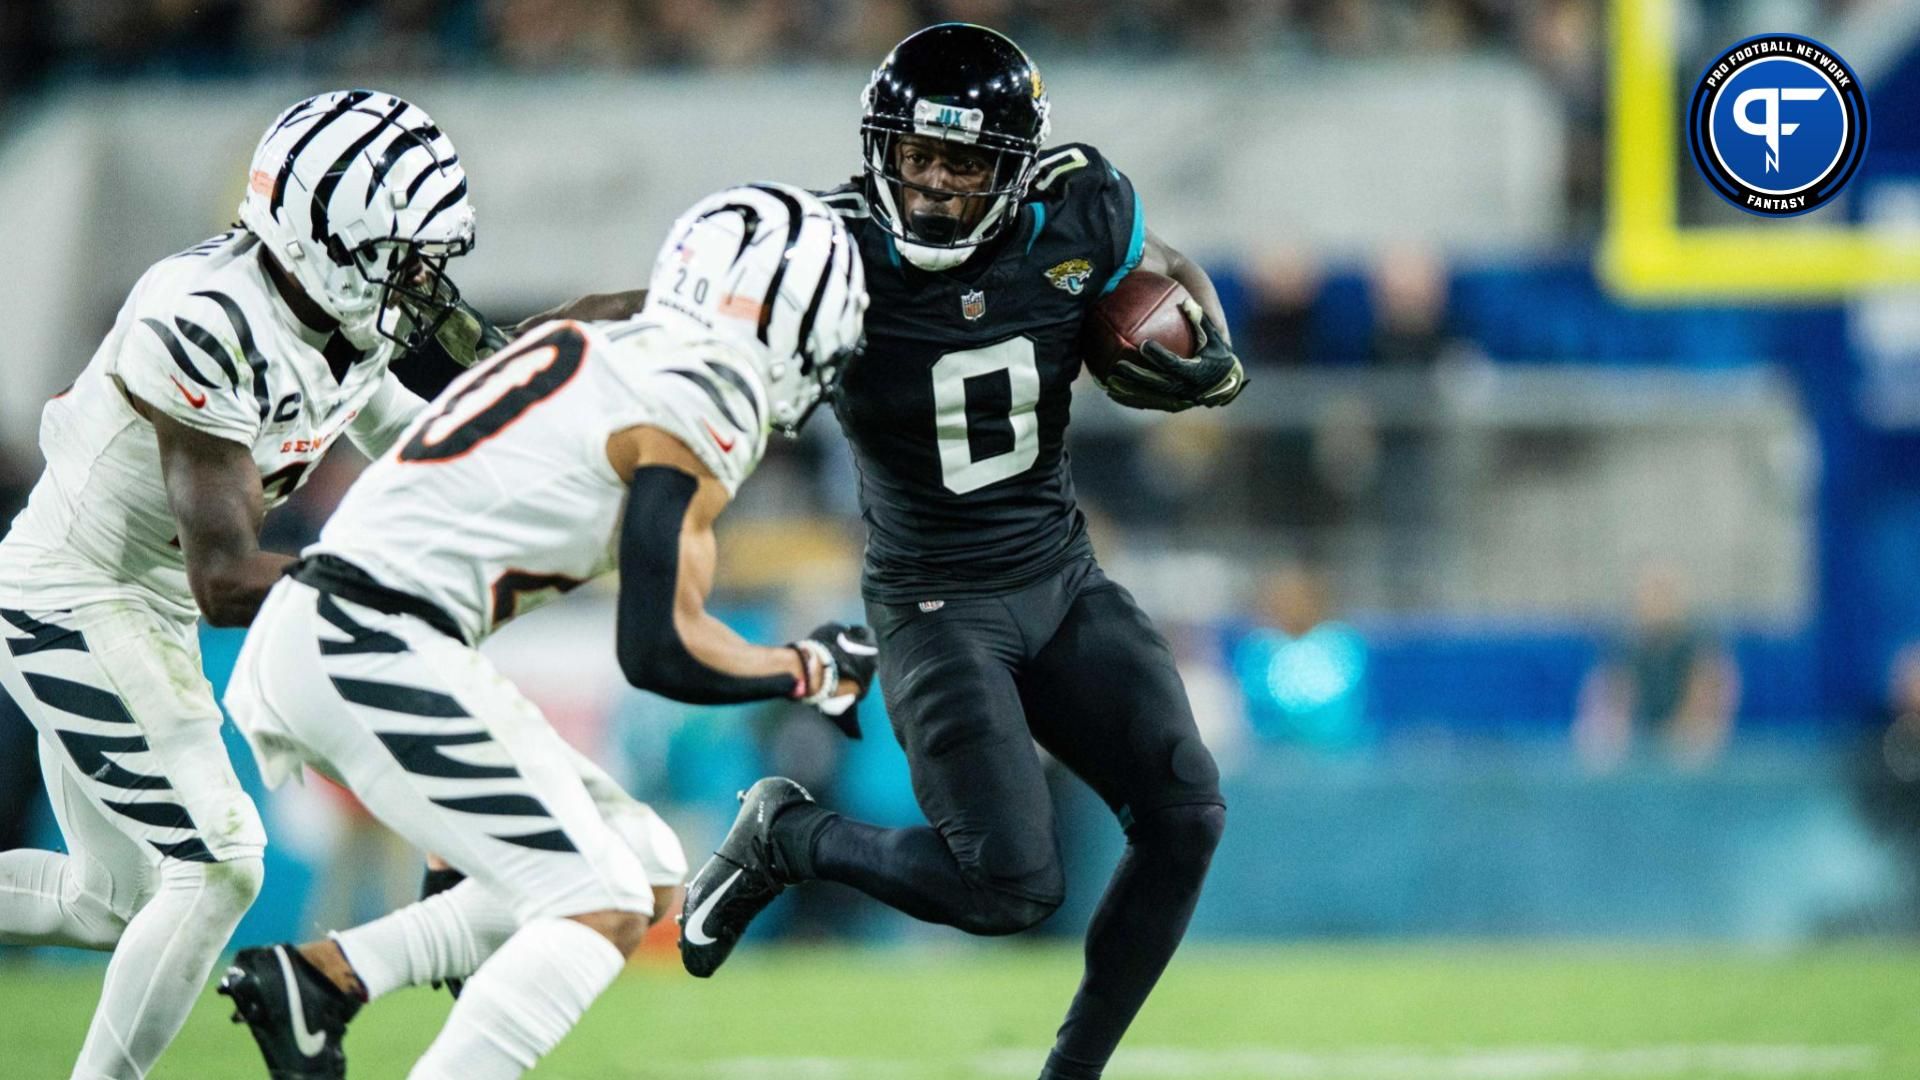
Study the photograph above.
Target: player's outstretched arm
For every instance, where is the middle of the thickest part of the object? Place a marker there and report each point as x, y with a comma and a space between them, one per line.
593, 307
667, 640
213, 488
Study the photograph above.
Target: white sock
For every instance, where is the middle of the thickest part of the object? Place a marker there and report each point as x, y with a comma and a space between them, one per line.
522, 1002
162, 963
47, 898
446, 936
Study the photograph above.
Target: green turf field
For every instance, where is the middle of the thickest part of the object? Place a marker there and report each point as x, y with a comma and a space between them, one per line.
1310, 1013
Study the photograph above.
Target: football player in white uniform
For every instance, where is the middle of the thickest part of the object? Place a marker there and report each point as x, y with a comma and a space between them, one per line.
231, 369
578, 449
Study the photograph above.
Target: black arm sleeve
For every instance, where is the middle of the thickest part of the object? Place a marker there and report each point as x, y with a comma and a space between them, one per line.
651, 653
428, 370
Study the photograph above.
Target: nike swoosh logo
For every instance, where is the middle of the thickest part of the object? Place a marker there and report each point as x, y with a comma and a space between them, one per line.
198, 401
855, 648
309, 1042
725, 445
697, 925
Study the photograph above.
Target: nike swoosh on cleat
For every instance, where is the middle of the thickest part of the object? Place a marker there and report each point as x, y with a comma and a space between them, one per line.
697, 926
855, 648
725, 445
309, 1042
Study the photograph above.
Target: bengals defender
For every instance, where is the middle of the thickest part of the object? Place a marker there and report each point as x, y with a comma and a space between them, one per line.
231, 370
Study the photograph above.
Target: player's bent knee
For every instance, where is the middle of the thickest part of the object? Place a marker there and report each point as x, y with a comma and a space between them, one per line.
94, 922
1183, 838
240, 878
95, 901
229, 886
997, 912
219, 892
1012, 886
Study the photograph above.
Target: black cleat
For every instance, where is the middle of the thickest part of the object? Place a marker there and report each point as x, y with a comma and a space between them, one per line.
739, 881
295, 1013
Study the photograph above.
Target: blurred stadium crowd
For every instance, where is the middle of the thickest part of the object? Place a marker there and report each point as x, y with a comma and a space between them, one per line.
348, 39
130, 37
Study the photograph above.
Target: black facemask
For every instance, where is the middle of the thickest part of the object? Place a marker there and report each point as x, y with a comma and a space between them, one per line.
417, 284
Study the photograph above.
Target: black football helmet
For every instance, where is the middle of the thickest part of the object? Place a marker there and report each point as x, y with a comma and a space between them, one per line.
963, 83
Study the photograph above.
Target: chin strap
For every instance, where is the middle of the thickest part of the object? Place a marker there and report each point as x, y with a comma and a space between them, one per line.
932, 258
937, 258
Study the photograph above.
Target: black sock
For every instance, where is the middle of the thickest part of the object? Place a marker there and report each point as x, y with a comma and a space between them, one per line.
1134, 933
794, 834
910, 870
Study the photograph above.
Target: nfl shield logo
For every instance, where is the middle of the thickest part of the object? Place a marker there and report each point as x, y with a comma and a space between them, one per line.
973, 304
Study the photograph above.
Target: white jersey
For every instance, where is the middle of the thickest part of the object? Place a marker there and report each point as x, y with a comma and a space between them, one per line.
205, 338
501, 496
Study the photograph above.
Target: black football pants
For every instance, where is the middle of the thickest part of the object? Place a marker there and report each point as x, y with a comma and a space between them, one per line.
971, 685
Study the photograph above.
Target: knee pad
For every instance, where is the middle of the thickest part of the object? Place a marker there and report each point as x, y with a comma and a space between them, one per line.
1007, 904
100, 905
1181, 838
996, 911
1013, 883
98, 924
229, 887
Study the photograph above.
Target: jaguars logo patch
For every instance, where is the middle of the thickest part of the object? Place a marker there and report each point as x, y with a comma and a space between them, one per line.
1071, 276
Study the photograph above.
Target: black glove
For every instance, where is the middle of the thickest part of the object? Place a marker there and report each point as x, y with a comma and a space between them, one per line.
468, 337
843, 652
439, 879
1169, 383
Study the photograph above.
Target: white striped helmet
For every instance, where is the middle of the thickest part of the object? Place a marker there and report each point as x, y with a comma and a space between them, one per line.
362, 199
771, 268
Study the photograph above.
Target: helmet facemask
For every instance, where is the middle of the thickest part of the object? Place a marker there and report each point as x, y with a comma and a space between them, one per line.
826, 374
1011, 166
415, 295
1012, 171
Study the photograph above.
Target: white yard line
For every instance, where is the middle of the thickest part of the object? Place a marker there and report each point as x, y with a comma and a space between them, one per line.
1784, 1061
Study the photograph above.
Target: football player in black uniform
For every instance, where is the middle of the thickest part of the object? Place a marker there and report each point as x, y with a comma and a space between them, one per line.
997, 627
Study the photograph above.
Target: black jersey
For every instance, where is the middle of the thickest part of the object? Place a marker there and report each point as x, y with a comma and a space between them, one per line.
958, 410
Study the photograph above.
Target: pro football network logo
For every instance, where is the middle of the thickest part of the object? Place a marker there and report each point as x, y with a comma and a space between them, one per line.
1778, 125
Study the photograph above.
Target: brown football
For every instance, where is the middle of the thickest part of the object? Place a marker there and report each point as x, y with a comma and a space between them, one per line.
1143, 307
